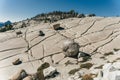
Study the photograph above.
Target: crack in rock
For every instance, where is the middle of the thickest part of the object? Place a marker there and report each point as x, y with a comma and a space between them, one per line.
12, 49
103, 28
88, 28
94, 51
40, 42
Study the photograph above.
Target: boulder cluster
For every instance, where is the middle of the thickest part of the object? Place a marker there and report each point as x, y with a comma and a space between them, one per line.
43, 72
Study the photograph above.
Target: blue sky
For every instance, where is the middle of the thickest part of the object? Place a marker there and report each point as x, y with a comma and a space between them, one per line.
16, 10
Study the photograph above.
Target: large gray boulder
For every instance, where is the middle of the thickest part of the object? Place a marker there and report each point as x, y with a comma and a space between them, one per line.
70, 48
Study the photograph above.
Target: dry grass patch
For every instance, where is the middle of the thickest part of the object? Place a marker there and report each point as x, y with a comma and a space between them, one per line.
39, 73
87, 77
73, 71
99, 67
109, 53
86, 65
67, 63
115, 49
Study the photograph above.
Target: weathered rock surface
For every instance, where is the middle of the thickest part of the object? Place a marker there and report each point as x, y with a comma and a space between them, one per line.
21, 74
97, 36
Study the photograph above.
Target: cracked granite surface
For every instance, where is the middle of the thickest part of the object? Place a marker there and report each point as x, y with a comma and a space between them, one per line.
96, 35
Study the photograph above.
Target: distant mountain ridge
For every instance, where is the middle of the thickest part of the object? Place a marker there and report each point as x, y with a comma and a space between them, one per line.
5, 23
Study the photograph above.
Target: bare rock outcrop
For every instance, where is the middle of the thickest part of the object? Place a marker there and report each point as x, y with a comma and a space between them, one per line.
99, 40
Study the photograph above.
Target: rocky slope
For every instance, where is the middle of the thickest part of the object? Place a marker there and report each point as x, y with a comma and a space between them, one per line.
97, 36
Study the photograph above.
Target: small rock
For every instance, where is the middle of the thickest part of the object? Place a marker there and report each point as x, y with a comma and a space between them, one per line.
83, 54
19, 75
49, 72
18, 32
41, 33
17, 62
56, 26
28, 78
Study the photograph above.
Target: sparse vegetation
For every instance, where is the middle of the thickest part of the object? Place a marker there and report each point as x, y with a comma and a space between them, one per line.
87, 77
73, 71
109, 53
99, 67
58, 15
6, 28
91, 15
115, 49
18, 32
86, 65
67, 63
103, 57
39, 73
23, 25
43, 66
86, 58
81, 16
118, 59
